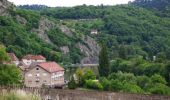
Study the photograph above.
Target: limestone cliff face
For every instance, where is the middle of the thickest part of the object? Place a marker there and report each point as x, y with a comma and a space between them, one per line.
44, 26
4, 7
91, 50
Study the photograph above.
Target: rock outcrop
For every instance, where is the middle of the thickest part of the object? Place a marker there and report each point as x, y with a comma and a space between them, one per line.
4, 7
90, 50
44, 26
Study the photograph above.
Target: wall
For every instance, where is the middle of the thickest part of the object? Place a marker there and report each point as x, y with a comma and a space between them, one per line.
55, 94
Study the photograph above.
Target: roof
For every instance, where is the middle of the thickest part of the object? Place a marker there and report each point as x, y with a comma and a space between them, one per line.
34, 57
13, 57
22, 66
51, 66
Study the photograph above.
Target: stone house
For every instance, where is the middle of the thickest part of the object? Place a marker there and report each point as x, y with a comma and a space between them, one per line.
45, 73
28, 59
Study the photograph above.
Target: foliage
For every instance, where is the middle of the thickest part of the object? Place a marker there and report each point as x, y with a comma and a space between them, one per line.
158, 79
15, 95
9, 74
88, 75
103, 61
167, 73
105, 83
3, 54
159, 88
93, 84
79, 75
72, 84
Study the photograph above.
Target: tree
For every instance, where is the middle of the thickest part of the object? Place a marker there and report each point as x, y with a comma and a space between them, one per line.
9, 74
79, 75
104, 67
88, 75
3, 54
92, 84
156, 78
167, 73
72, 83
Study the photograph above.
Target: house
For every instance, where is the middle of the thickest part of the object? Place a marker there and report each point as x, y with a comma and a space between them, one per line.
28, 59
94, 32
13, 58
45, 73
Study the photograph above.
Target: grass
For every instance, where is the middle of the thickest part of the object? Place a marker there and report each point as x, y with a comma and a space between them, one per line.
18, 95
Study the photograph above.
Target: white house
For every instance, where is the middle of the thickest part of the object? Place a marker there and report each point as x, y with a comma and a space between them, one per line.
28, 59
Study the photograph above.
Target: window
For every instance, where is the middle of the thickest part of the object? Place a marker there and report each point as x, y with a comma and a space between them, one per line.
37, 68
37, 75
29, 75
29, 81
37, 81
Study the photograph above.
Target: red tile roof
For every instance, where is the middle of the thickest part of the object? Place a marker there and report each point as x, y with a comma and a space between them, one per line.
34, 57
13, 57
51, 66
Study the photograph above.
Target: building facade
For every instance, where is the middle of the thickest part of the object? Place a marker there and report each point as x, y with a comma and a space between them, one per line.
45, 73
29, 59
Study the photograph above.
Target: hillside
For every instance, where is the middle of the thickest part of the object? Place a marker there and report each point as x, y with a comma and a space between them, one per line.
25, 32
63, 34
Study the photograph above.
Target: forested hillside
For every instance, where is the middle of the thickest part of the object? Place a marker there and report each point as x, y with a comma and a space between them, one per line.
136, 35
127, 30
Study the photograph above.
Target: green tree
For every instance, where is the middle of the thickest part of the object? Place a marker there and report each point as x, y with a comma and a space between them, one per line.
3, 54
167, 73
105, 83
92, 84
9, 74
79, 75
104, 67
156, 78
72, 84
88, 75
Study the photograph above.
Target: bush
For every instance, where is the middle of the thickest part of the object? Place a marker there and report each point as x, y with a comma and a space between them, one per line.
92, 84
105, 83
72, 84
116, 85
159, 88
132, 88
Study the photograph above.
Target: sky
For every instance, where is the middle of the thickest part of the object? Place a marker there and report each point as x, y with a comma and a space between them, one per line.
69, 3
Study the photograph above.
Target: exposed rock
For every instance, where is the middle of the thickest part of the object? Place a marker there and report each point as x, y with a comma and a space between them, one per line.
21, 20
44, 26
91, 50
65, 49
67, 31
4, 6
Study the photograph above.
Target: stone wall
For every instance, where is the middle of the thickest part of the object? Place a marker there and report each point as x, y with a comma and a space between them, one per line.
57, 94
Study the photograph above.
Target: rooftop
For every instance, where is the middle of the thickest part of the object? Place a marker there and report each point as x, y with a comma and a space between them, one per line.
34, 57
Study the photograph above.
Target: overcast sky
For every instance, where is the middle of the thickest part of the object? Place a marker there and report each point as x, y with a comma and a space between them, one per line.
54, 3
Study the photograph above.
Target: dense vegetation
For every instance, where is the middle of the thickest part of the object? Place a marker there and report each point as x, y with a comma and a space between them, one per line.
9, 74
137, 36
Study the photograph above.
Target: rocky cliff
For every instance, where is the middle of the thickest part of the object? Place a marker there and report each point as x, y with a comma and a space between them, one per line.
4, 7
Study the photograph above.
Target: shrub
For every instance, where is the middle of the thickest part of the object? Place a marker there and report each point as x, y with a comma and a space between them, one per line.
72, 84
92, 84
159, 88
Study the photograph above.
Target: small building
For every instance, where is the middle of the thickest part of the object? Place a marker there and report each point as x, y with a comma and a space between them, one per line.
94, 32
46, 73
28, 59
13, 58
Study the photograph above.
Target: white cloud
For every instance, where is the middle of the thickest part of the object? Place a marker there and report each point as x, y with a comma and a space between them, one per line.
54, 3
